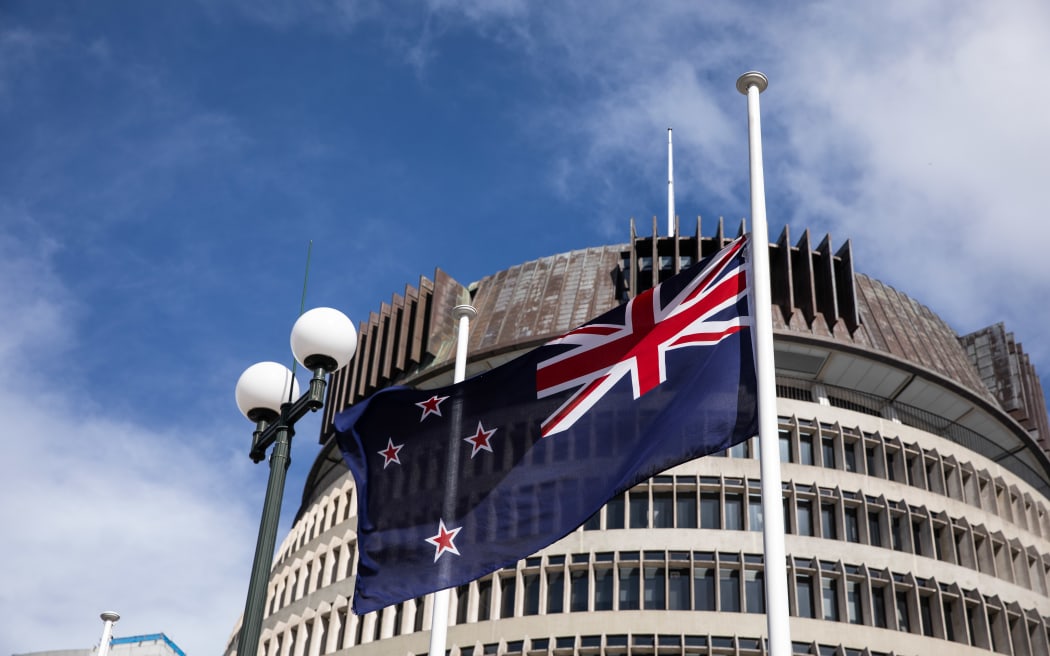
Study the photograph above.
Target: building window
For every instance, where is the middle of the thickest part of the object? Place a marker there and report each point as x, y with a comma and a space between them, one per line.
603, 588
754, 511
506, 588
531, 598
710, 510
805, 449
663, 509
678, 588
852, 529
704, 588
484, 599
827, 521
827, 452
629, 598
734, 512
830, 598
785, 446
755, 591
655, 588
804, 594
614, 513
729, 590
902, 612
853, 602
685, 503
878, 607
805, 517
555, 591
639, 508
578, 590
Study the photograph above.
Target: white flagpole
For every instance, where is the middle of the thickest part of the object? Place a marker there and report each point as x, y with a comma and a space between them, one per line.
670, 187
439, 611
109, 618
751, 84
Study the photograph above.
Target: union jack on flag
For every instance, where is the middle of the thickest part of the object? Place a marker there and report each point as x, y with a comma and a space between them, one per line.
603, 353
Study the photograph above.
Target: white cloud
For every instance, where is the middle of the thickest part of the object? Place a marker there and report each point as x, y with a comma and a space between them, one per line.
102, 513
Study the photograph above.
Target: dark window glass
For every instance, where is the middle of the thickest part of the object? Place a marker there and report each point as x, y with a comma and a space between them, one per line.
804, 593
629, 595
603, 589
874, 530
895, 533
785, 446
462, 598
926, 615
532, 594
852, 529
805, 449
655, 588
678, 589
878, 607
704, 588
827, 452
578, 590
851, 457
755, 591
506, 606
902, 612
729, 590
830, 597
734, 512
614, 513
710, 510
853, 602
827, 521
594, 522
663, 510
686, 509
484, 600
639, 509
555, 591
805, 517
754, 510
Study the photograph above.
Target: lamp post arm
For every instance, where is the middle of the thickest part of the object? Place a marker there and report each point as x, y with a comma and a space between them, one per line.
266, 434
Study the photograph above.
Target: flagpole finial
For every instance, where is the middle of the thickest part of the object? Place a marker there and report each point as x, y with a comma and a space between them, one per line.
749, 79
460, 311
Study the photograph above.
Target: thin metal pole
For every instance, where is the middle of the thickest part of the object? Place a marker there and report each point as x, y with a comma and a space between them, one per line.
670, 186
251, 627
752, 84
439, 611
108, 619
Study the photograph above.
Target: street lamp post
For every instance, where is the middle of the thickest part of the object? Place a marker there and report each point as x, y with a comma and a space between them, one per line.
323, 340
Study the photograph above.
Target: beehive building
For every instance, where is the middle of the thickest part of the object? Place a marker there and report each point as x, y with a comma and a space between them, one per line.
916, 483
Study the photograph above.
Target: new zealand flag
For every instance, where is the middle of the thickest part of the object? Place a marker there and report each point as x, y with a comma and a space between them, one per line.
454, 483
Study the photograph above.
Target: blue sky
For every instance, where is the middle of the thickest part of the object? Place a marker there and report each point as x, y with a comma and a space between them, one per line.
163, 167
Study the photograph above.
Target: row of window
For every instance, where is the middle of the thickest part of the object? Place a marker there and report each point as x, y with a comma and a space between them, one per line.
820, 444
725, 582
727, 503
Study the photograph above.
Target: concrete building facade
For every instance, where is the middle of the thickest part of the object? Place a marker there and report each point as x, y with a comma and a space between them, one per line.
916, 484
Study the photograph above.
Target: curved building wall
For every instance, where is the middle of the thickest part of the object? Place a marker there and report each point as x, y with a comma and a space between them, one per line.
916, 505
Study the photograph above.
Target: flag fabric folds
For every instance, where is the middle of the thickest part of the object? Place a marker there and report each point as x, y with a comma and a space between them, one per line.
456, 482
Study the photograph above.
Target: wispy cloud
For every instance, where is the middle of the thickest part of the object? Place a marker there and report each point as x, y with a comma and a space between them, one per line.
103, 513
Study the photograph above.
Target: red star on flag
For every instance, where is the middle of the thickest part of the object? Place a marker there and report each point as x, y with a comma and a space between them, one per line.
390, 452
443, 541
431, 406
480, 440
